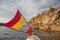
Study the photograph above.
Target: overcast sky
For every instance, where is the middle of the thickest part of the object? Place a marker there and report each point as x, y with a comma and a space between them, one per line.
29, 8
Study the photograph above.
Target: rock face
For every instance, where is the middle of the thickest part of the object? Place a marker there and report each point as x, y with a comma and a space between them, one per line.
47, 20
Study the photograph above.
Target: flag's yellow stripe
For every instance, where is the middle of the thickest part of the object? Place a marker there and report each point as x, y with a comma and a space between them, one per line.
19, 24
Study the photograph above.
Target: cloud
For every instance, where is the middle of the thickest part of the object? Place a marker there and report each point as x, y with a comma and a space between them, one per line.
4, 20
29, 8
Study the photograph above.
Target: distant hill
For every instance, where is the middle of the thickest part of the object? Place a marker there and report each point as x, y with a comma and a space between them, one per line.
1, 24
47, 20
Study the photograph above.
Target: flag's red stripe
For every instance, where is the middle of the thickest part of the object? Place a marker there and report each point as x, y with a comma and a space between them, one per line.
14, 20
29, 31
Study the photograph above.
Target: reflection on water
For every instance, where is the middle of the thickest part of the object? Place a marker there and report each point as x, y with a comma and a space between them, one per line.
46, 35
9, 34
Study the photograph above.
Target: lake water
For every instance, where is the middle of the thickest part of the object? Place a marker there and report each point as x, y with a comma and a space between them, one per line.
47, 35
9, 34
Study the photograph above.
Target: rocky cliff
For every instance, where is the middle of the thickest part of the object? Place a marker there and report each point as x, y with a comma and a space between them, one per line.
47, 20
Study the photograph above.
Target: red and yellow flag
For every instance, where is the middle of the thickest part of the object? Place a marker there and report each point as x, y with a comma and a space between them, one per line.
17, 23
